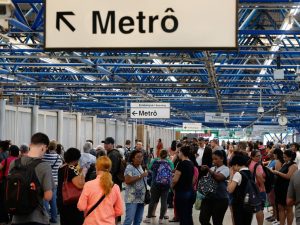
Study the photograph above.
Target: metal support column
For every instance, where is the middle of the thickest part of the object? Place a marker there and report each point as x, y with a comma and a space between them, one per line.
34, 119
106, 127
94, 131
2, 118
78, 130
60, 125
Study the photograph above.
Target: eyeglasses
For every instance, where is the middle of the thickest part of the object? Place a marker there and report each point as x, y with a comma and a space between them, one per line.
258, 156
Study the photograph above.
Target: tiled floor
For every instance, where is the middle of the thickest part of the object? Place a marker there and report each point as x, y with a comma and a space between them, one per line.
227, 219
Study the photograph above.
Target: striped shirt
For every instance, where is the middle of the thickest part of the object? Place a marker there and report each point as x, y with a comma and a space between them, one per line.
55, 162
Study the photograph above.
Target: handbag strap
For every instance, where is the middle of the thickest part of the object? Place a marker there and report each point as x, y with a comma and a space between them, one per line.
52, 166
66, 173
142, 178
96, 205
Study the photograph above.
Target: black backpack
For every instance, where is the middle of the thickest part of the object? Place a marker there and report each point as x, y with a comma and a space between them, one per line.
22, 188
251, 197
269, 178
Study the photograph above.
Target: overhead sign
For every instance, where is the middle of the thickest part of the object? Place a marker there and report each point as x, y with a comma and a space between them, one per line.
217, 117
269, 129
192, 126
119, 24
148, 110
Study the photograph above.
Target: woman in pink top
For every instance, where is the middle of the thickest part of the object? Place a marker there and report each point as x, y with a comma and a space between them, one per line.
260, 182
112, 205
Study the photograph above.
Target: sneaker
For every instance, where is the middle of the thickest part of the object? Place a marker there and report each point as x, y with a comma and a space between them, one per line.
166, 217
174, 220
147, 220
271, 219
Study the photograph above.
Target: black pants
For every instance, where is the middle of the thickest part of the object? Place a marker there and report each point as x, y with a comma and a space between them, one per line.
33, 223
184, 206
213, 208
157, 193
240, 216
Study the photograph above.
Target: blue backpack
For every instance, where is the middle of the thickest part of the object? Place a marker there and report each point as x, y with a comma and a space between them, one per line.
164, 174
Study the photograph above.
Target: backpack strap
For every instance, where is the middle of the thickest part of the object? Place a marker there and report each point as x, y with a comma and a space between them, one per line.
254, 171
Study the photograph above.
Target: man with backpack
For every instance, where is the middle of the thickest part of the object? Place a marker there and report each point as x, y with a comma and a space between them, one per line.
116, 159
35, 184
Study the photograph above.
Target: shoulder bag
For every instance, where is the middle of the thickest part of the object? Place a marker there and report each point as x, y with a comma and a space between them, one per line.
147, 194
70, 192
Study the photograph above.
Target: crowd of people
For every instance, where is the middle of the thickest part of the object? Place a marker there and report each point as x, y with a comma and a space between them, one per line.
42, 180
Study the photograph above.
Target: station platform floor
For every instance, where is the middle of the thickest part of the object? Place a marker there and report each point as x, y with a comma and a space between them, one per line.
170, 213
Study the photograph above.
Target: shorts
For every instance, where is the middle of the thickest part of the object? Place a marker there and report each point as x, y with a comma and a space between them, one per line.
263, 197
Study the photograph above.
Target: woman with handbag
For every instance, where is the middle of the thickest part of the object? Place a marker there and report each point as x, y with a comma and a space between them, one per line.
136, 193
101, 199
183, 185
215, 205
69, 187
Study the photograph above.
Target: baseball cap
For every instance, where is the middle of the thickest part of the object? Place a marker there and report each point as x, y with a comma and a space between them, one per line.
109, 140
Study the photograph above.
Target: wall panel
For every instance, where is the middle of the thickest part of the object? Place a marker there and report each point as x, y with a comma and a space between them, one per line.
24, 127
86, 129
111, 129
69, 131
10, 126
100, 131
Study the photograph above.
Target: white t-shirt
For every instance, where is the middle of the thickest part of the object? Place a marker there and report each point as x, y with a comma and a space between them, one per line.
200, 156
237, 177
298, 159
223, 170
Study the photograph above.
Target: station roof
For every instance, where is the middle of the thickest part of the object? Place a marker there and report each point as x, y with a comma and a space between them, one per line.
104, 83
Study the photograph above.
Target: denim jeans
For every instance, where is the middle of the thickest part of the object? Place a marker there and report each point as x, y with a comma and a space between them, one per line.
53, 207
184, 206
134, 213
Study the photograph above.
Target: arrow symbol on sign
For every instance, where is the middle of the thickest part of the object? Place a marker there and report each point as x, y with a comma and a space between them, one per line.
61, 16
134, 113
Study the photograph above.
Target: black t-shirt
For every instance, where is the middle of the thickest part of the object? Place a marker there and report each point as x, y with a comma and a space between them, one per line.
185, 182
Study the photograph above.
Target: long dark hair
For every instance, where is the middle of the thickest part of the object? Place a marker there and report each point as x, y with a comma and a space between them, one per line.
290, 154
173, 145
279, 154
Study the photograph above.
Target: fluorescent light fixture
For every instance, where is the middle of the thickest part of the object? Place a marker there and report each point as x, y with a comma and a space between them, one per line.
6, 77
90, 78
172, 78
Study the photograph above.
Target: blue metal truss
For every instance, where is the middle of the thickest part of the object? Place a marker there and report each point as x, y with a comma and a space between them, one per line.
104, 82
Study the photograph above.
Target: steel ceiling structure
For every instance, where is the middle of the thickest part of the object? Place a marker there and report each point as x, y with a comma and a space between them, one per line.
194, 82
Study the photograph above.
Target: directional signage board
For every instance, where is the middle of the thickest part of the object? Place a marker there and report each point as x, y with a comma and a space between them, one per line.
192, 126
217, 117
269, 129
149, 110
134, 24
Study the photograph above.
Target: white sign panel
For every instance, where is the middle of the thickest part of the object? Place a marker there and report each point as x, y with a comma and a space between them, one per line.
269, 129
106, 24
146, 110
192, 126
217, 117
149, 105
